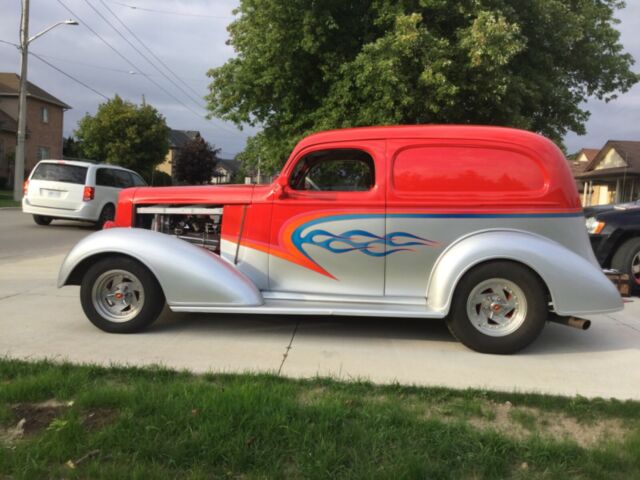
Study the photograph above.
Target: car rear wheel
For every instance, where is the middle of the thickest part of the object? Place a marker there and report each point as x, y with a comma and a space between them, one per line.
120, 295
42, 220
108, 213
498, 307
627, 260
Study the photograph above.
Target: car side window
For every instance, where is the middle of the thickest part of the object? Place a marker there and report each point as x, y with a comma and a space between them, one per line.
137, 180
338, 170
123, 179
105, 178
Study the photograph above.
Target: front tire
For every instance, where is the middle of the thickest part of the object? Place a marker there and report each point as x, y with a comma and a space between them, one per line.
627, 260
120, 295
42, 220
498, 307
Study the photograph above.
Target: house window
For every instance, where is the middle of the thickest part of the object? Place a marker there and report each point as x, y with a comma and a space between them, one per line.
45, 114
1, 153
44, 153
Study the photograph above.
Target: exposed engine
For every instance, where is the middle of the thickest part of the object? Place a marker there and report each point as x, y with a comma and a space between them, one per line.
197, 224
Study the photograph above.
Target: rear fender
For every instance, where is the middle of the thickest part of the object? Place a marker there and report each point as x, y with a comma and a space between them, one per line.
189, 275
577, 286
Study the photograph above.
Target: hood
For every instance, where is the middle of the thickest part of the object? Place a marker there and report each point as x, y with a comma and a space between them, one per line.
611, 207
193, 195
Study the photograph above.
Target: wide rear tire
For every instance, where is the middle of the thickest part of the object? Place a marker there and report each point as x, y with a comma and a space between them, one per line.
120, 295
498, 307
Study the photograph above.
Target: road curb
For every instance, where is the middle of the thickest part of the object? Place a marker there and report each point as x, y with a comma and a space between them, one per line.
9, 208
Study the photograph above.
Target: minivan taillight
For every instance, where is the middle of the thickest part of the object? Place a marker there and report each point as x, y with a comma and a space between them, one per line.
25, 187
88, 194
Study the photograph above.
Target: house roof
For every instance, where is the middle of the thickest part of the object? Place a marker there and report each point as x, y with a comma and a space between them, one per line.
232, 166
10, 87
177, 138
590, 153
627, 149
7, 123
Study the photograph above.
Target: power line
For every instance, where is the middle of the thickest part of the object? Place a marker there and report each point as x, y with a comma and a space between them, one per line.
137, 69
59, 70
139, 52
194, 100
168, 12
83, 22
69, 76
146, 47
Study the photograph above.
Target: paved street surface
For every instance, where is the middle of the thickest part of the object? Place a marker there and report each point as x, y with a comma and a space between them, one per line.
21, 237
39, 321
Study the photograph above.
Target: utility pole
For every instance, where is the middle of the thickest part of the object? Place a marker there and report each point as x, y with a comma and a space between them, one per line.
18, 174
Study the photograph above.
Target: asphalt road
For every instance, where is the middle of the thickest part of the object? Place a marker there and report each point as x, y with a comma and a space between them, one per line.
20, 237
37, 320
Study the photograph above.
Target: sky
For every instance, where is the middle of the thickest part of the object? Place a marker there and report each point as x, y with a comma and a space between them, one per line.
189, 37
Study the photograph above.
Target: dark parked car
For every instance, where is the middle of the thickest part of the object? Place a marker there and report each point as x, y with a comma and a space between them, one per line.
615, 237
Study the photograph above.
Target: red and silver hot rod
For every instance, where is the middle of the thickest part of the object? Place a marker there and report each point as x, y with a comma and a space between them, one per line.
480, 226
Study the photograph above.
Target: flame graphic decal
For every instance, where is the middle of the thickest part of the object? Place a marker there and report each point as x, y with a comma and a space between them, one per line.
362, 241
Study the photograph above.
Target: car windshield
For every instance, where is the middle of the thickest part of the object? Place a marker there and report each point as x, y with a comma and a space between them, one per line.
60, 172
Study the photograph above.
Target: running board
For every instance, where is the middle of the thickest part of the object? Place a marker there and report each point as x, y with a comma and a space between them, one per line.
298, 307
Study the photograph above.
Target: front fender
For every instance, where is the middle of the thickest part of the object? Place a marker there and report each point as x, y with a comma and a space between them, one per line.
577, 286
189, 275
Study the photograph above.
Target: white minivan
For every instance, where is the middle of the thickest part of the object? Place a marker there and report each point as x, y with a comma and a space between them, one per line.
74, 190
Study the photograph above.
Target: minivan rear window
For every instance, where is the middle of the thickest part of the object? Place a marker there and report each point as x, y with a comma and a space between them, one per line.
60, 172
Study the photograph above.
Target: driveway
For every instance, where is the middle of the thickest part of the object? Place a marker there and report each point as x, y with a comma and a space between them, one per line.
39, 321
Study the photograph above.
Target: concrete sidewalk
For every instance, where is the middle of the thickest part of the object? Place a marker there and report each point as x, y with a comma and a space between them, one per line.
39, 321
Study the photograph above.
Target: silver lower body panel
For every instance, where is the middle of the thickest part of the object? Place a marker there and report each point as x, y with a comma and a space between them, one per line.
305, 307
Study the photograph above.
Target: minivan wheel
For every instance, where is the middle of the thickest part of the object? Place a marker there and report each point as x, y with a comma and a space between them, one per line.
498, 307
627, 260
108, 213
120, 295
42, 220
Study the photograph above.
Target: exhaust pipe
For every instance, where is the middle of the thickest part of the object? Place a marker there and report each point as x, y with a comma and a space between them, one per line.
575, 322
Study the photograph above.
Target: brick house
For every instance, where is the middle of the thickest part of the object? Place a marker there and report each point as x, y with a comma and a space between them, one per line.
45, 114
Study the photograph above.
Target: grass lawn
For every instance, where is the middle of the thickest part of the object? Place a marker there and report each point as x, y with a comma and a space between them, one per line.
6, 199
90, 422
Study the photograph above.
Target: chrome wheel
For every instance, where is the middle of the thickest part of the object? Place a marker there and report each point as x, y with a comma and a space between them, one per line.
117, 295
497, 307
635, 268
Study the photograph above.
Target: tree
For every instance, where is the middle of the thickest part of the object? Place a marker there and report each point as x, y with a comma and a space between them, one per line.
195, 162
122, 133
71, 147
304, 66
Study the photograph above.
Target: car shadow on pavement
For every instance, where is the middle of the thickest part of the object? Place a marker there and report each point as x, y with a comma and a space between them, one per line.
555, 339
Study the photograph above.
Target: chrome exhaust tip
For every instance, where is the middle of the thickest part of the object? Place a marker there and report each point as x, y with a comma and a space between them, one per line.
575, 322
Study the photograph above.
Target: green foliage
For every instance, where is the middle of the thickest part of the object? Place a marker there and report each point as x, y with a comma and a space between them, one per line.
160, 179
304, 66
71, 148
122, 133
195, 162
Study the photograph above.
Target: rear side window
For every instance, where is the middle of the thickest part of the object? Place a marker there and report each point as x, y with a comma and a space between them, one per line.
105, 178
137, 180
458, 169
123, 179
60, 172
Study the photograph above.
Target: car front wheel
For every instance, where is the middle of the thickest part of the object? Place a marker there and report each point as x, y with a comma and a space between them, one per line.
120, 295
498, 307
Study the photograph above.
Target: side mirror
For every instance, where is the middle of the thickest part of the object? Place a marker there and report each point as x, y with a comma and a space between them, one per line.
280, 187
